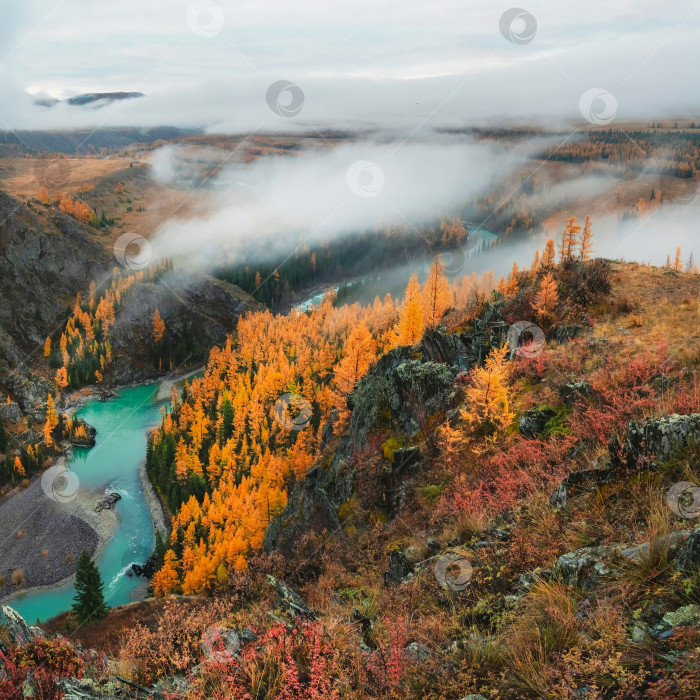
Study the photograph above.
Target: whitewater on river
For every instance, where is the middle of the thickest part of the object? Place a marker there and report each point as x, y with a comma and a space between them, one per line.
114, 464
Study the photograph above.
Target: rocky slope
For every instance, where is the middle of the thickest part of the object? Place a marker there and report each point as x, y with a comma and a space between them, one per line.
46, 259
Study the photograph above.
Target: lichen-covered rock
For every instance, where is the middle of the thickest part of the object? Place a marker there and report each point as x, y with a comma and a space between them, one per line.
687, 615
655, 440
673, 543
13, 629
585, 567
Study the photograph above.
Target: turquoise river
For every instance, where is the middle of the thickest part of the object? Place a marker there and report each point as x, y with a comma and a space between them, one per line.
113, 464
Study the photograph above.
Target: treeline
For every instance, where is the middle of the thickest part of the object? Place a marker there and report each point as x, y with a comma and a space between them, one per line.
83, 351
275, 285
674, 153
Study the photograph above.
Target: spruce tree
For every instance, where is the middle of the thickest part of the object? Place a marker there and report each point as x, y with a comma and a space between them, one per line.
89, 601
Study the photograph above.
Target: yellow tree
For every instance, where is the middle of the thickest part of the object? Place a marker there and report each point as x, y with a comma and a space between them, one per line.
166, 580
18, 466
158, 327
487, 396
586, 240
47, 347
547, 297
678, 261
511, 286
62, 377
436, 295
548, 255
48, 429
358, 355
411, 315
569, 240
51, 412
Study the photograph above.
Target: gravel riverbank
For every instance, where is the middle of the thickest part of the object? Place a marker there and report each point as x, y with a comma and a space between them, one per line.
42, 538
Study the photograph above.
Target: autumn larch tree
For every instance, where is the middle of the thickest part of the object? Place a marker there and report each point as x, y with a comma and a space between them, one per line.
586, 247
411, 316
678, 261
546, 299
487, 396
62, 377
569, 240
89, 600
158, 327
436, 294
47, 347
358, 354
548, 255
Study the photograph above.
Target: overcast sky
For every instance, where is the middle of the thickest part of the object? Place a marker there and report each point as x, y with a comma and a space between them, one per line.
394, 63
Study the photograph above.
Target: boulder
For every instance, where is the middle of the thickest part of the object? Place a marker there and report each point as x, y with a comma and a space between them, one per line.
580, 482
13, 629
585, 567
417, 652
399, 567
688, 559
289, 599
10, 412
533, 422
575, 391
687, 615
654, 440
107, 502
673, 541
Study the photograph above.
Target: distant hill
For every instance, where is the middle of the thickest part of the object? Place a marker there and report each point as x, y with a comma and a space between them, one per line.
90, 98
81, 141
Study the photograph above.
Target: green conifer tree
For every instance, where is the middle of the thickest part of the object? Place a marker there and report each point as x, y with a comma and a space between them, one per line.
89, 601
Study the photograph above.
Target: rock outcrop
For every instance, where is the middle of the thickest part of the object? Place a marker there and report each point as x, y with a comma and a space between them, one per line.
654, 440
